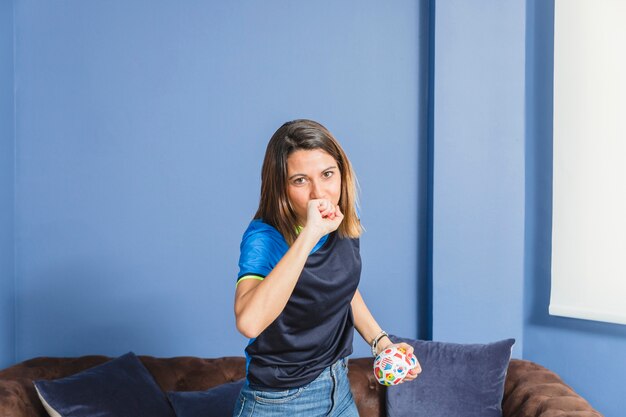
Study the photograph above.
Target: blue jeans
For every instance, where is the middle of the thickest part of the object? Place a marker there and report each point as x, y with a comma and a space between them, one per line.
327, 395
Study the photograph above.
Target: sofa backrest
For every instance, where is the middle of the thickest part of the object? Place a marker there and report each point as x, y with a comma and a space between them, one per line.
18, 397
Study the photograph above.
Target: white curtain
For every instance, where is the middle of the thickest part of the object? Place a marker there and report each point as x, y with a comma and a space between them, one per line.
589, 200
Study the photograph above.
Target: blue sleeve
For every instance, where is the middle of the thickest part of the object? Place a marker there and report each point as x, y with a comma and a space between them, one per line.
262, 247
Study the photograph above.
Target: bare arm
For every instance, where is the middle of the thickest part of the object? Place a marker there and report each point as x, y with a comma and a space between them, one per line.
258, 303
365, 323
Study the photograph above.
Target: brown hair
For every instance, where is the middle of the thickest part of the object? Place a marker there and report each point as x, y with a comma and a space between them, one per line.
274, 206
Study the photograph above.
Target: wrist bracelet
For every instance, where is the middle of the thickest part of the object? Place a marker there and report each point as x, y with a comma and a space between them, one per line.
376, 340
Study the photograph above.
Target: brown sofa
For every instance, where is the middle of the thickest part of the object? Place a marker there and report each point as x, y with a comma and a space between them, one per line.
530, 390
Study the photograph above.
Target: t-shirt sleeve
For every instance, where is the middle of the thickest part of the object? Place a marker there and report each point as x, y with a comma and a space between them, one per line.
260, 252
254, 258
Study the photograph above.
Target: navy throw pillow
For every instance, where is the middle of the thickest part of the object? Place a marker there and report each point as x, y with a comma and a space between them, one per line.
457, 380
118, 388
215, 402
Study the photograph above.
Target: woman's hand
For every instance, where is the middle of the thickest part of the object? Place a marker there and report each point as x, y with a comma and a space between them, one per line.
413, 373
323, 216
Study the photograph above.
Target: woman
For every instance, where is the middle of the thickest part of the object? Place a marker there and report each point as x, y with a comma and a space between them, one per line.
297, 298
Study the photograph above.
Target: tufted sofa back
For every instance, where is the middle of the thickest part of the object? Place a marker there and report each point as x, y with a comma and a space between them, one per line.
530, 391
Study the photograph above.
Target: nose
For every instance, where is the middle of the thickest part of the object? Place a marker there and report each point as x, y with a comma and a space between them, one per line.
317, 190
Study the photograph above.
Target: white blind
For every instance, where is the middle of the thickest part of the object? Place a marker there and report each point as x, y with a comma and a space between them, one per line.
589, 188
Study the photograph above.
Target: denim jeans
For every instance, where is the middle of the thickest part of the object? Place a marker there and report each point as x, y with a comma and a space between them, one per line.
327, 395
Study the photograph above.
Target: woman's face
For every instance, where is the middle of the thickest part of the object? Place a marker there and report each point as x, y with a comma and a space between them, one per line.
312, 174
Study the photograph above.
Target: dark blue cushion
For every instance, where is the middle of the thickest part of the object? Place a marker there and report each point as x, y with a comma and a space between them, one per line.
215, 402
119, 387
457, 380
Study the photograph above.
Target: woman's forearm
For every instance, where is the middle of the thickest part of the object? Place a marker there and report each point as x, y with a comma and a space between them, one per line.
365, 323
258, 303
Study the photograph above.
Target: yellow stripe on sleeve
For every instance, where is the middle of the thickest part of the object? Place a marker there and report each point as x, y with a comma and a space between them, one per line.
249, 277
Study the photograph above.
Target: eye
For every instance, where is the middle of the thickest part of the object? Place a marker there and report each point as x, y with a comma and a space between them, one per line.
328, 174
299, 181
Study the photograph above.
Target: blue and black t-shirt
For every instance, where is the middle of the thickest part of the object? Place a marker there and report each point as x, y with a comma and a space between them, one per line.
316, 326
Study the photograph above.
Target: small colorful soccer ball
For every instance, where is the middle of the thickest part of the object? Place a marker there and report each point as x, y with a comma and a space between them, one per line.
392, 365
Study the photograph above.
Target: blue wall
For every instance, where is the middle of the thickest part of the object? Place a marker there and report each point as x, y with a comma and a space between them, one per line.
141, 127
478, 171
7, 181
139, 132
590, 356
492, 181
